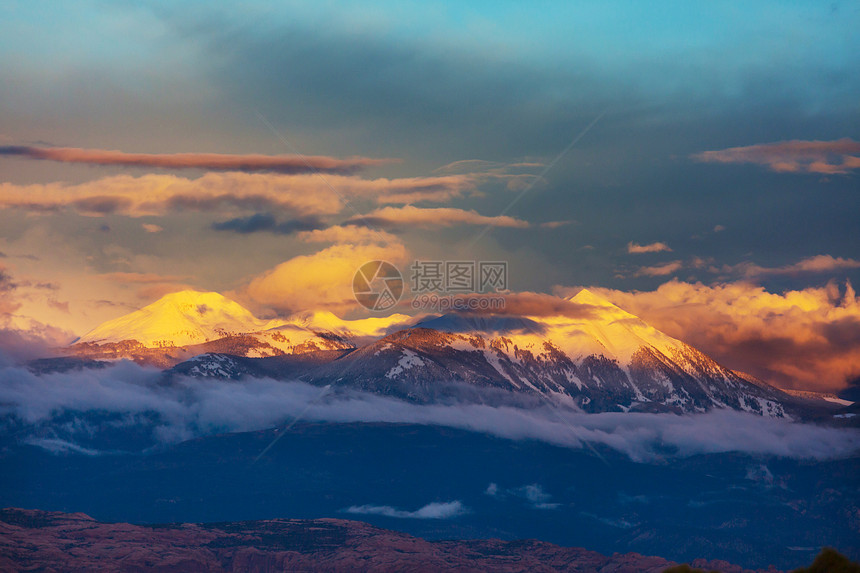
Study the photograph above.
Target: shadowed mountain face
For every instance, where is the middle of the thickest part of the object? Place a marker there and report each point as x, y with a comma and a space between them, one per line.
40, 540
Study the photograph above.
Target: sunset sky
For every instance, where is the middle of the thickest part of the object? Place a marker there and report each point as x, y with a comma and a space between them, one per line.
697, 164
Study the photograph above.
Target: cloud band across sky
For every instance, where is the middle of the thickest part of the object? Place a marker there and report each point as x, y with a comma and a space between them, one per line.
158, 194
287, 164
435, 217
188, 409
796, 156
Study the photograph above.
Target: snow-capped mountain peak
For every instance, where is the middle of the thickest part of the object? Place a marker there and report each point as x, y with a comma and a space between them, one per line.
186, 323
602, 328
585, 296
179, 319
594, 355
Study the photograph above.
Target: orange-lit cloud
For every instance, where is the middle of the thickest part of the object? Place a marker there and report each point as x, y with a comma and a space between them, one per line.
816, 264
516, 176
662, 270
148, 286
160, 194
469, 166
415, 189
22, 338
154, 291
750, 270
803, 339
207, 161
150, 228
58, 305
432, 217
321, 281
525, 303
796, 156
651, 248
347, 234
140, 278
555, 224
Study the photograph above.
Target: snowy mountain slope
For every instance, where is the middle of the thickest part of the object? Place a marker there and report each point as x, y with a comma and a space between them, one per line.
607, 330
595, 357
607, 360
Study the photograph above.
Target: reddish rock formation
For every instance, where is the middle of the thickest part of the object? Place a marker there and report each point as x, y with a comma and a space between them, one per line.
32, 540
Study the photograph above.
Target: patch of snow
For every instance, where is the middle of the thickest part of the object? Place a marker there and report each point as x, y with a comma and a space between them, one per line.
407, 361
640, 397
529, 384
464, 344
571, 377
384, 347
493, 359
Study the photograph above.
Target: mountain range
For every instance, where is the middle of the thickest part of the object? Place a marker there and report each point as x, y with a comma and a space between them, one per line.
587, 428
593, 357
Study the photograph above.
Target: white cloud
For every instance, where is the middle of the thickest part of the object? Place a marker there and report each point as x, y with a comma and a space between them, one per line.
660, 270
533, 493
189, 408
435, 510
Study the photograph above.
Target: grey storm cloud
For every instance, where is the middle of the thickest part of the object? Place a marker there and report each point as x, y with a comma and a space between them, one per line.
17, 346
188, 408
259, 222
334, 78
